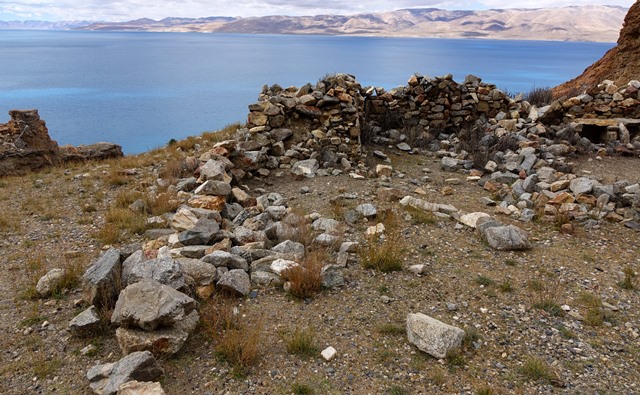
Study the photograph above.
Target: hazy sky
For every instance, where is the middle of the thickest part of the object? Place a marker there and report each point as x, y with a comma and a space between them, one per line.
121, 10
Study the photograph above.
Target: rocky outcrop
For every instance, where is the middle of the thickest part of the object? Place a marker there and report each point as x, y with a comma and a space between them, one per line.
97, 151
25, 145
620, 64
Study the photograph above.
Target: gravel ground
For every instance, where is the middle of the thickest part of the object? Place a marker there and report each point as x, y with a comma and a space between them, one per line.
48, 220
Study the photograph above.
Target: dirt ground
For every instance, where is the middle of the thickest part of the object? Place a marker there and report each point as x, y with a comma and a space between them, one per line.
49, 219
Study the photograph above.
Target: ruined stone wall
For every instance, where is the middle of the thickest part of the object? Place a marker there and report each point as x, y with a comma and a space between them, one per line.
427, 106
330, 121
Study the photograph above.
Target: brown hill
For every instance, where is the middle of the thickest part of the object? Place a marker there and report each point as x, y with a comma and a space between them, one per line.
621, 64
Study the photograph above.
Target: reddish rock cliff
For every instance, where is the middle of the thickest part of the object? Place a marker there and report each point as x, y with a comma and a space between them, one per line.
621, 64
25, 143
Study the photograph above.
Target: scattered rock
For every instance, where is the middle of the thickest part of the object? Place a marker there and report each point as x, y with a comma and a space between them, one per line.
432, 336
106, 379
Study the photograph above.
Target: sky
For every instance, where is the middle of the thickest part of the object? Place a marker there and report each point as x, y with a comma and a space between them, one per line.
124, 10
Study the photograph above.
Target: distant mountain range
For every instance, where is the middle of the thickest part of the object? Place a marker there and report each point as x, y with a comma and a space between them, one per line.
575, 23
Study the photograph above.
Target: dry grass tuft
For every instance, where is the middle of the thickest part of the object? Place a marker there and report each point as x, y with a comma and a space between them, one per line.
305, 280
421, 217
161, 203
300, 342
595, 314
629, 281
234, 341
544, 294
240, 347
536, 369
383, 253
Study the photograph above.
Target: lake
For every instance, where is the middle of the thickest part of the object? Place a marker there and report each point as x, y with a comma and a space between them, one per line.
140, 90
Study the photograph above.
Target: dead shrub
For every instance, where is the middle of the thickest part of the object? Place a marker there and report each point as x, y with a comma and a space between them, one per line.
161, 203
539, 96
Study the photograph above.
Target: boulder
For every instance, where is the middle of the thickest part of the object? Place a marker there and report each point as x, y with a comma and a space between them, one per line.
432, 336
200, 272
472, 218
166, 271
102, 280
214, 188
235, 281
502, 237
106, 379
148, 305
183, 220
306, 168
214, 170
201, 233
85, 323
25, 144
51, 281
290, 247
448, 163
161, 342
367, 210
141, 388
581, 185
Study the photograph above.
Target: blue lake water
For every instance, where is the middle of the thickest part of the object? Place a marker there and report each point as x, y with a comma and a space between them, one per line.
142, 89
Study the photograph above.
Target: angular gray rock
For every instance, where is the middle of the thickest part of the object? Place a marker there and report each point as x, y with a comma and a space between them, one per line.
202, 233
448, 163
504, 177
432, 336
166, 271
326, 225
102, 281
200, 272
148, 305
290, 247
502, 237
141, 366
49, 282
85, 323
236, 281
581, 185
367, 210
213, 188
307, 168
226, 259
161, 342
213, 170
